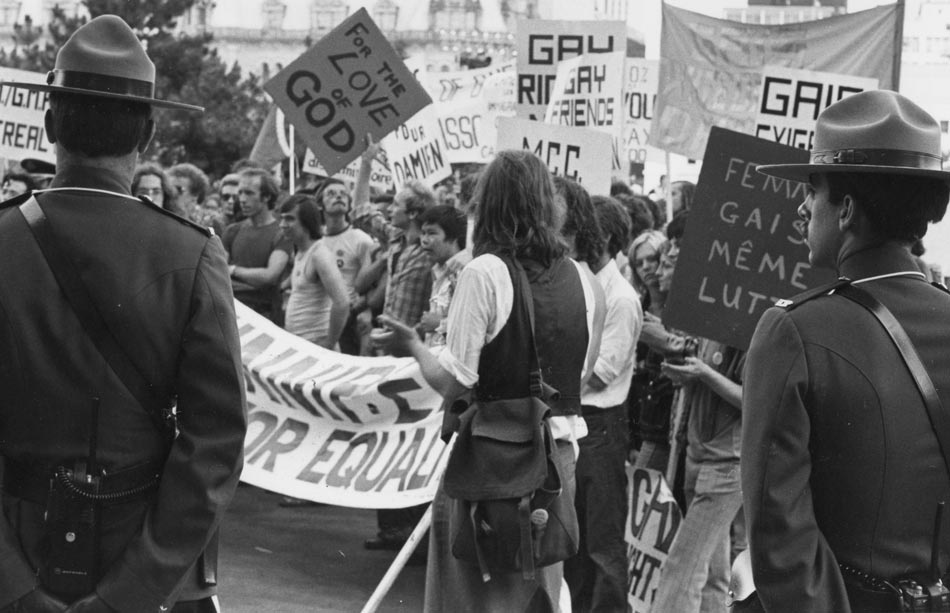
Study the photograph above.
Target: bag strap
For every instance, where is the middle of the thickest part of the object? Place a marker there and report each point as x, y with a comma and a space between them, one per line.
527, 299
69, 281
939, 420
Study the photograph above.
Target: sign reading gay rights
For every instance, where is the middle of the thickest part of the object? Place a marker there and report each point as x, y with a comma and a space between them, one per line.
350, 83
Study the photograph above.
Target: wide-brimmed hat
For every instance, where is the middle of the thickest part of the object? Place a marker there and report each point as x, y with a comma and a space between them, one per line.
878, 131
104, 58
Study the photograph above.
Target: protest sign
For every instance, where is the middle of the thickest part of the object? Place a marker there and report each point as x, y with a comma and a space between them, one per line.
581, 154
588, 93
639, 99
332, 428
22, 127
350, 83
711, 69
415, 150
467, 105
459, 85
652, 522
379, 178
742, 250
541, 44
790, 101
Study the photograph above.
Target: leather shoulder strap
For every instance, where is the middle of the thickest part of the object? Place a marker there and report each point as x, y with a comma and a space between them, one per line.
939, 420
92, 321
522, 289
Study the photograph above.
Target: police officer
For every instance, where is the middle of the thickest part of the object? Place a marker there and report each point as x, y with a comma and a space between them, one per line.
842, 469
122, 409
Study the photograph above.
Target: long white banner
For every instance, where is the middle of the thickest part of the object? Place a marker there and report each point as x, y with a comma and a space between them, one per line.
350, 431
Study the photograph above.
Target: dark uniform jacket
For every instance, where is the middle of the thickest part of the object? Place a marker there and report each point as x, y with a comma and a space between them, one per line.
162, 286
839, 461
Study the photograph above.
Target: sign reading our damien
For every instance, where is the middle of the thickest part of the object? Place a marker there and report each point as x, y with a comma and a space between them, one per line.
350, 83
742, 249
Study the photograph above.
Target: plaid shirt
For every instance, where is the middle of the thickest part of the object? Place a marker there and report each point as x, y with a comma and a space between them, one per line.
410, 283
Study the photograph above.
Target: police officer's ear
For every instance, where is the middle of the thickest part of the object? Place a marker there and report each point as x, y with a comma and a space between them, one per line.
48, 123
147, 135
847, 212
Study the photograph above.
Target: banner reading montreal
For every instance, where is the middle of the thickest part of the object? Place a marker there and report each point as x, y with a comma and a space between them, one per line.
333, 428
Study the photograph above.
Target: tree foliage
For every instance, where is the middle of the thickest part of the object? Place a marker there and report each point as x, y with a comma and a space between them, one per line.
188, 70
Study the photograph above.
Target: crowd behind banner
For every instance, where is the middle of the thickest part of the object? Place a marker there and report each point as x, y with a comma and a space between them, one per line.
379, 225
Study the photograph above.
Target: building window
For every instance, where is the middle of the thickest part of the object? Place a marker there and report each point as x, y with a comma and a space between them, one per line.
386, 15
9, 12
274, 12
327, 14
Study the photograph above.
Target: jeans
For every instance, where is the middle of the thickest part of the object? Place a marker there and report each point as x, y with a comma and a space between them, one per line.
597, 575
695, 576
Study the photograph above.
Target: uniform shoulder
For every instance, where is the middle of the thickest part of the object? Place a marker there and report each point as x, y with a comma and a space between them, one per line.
207, 232
789, 304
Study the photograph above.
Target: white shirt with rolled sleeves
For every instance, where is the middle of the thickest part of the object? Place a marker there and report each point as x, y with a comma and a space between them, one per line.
622, 326
479, 310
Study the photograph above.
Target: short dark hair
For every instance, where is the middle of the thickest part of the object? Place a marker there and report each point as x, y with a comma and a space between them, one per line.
619, 188
580, 221
269, 188
614, 222
200, 186
307, 212
641, 213
899, 207
452, 221
677, 226
658, 208
98, 127
467, 188
22, 177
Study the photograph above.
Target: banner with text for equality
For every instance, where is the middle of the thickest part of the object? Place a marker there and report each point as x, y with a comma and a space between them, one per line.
790, 101
710, 69
639, 100
338, 429
588, 93
742, 249
653, 519
22, 127
581, 154
350, 83
541, 44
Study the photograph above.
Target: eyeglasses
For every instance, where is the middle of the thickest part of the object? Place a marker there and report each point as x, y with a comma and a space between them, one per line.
227, 197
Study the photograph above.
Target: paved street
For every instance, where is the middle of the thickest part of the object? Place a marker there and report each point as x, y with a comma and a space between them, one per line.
285, 560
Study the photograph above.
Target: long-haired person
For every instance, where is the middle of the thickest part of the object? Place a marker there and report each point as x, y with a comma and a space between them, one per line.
517, 218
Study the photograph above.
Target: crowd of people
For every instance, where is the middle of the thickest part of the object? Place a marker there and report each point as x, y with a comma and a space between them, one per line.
515, 268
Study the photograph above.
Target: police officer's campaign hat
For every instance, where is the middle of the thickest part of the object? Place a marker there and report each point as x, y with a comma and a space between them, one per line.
104, 58
878, 131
